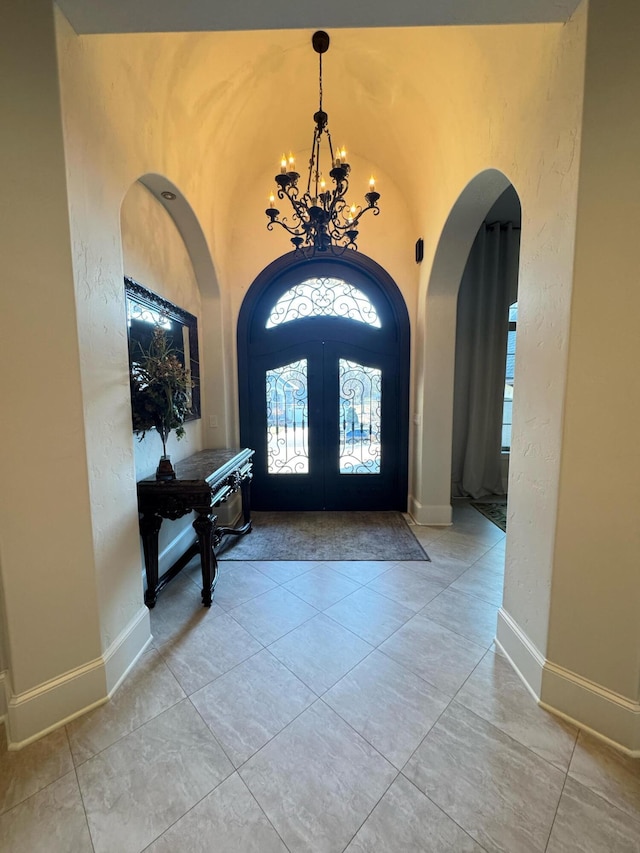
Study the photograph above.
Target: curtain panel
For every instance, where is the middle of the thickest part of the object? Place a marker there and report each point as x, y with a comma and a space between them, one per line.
489, 286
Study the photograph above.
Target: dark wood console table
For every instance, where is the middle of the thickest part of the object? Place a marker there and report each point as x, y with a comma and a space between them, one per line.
203, 482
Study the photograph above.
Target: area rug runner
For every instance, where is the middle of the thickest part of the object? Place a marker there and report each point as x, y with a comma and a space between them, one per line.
495, 511
324, 536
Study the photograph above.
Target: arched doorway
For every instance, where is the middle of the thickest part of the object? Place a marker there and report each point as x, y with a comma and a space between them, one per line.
323, 360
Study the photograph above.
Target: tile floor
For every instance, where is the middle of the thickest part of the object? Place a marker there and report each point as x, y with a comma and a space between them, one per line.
325, 707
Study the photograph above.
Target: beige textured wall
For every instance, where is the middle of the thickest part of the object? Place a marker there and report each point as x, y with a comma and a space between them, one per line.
46, 547
595, 629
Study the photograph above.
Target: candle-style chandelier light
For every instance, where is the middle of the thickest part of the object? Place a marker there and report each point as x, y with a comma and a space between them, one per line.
322, 218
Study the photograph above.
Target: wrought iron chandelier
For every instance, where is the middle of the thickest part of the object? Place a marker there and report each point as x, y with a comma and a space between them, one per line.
322, 219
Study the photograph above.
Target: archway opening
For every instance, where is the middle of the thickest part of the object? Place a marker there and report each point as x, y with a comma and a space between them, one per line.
485, 357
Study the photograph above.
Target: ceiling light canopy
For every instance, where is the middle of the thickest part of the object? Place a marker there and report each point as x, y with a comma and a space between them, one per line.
322, 219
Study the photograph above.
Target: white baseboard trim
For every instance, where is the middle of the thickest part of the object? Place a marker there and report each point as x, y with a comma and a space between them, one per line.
4, 681
439, 516
126, 649
602, 712
174, 549
607, 714
525, 658
54, 703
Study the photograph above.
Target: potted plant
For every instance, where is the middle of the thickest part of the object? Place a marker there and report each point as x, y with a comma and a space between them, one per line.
160, 395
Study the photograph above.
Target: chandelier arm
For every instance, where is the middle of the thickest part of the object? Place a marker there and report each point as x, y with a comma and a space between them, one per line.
356, 219
295, 231
300, 206
338, 202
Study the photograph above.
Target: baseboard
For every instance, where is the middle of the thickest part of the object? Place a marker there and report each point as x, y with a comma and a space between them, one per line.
605, 714
126, 649
175, 548
3, 696
36, 712
439, 516
525, 658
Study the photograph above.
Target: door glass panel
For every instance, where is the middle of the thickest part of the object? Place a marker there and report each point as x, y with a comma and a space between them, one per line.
360, 407
323, 297
287, 419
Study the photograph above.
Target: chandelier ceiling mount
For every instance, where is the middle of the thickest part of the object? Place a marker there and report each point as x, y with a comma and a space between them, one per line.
322, 219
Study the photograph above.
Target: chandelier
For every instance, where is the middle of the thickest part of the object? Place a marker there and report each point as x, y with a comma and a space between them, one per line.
322, 219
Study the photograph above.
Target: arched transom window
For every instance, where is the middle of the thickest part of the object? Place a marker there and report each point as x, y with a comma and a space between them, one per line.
323, 297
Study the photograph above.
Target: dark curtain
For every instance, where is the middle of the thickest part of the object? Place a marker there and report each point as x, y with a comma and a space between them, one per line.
489, 285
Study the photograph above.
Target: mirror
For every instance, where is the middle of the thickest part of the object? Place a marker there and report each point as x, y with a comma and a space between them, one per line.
145, 311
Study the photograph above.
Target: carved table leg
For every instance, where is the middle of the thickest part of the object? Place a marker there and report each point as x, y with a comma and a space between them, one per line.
204, 525
150, 524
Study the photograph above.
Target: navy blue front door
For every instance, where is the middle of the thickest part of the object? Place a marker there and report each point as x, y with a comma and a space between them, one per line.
323, 371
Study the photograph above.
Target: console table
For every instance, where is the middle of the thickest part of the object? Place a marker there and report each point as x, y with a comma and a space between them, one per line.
203, 482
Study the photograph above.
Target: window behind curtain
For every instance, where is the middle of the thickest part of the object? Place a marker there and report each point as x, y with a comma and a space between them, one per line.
508, 380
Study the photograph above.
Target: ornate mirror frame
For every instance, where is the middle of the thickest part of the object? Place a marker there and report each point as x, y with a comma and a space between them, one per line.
140, 301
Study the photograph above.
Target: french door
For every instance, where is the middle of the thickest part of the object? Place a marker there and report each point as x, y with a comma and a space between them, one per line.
323, 397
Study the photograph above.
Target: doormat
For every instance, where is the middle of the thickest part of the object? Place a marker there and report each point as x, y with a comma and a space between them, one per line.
495, 511
324, 536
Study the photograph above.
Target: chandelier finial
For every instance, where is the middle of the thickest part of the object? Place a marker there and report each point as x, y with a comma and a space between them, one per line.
322, 219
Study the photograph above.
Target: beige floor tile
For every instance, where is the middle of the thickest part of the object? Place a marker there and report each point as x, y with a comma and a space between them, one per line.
136, 788
485, 533
247, 706
51, 821
360, 571
25, 771
493, 559
495, 692
228, 820
282, 571
321, 586
371, 616
179, 611
406, 586
440, 570
465, 549
426, 534
240, 584
585, 823
609, 772
482, 581
149, 689
320, 652
405, 821
273, 614
440, 656
317, 781
391, 708
502, 794
467, 615
199, 656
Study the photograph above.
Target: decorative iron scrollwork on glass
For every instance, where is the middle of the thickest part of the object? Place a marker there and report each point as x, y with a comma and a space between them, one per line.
287, 419
323, 297
360, 415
